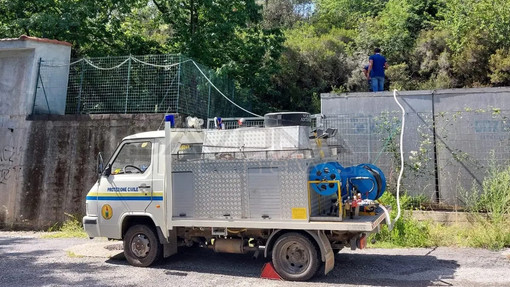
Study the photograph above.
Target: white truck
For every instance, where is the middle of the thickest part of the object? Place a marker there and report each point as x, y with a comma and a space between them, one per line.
264, 189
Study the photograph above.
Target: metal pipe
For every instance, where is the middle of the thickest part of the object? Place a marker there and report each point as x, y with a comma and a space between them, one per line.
127, 86
81, 86
36, 83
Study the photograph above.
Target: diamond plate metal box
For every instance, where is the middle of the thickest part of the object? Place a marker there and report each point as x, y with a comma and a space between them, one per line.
246, 189
257, 139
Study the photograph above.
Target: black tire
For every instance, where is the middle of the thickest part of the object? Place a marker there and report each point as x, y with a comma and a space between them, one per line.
295, 257
141, 246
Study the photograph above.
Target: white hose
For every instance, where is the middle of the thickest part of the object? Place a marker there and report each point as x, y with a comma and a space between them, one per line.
388, 219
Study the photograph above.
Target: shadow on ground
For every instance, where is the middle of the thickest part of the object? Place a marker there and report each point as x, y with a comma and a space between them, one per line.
356, 269
31, 268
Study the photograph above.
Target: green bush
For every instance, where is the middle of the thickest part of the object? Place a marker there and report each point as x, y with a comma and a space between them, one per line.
500, 67
72, 227
407, 231
495, 196
489, 210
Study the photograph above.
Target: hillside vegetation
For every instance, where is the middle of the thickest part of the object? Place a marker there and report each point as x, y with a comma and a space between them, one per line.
283, 53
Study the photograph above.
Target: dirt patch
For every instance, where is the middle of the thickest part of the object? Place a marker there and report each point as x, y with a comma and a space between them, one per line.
116, 246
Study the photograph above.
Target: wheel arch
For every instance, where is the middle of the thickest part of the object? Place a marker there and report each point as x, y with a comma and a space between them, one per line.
314, 234
145, 219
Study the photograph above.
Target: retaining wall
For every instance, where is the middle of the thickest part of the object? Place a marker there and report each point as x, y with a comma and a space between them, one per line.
49, 164
452, 137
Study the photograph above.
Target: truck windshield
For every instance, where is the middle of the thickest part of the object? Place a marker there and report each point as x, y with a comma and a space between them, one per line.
134, 157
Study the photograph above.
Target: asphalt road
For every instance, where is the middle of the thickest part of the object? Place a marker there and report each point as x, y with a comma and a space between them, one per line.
28, 260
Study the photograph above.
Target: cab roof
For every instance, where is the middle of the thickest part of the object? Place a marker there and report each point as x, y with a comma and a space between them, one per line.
160, 133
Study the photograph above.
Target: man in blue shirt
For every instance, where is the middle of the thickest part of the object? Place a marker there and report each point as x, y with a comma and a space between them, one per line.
376, 70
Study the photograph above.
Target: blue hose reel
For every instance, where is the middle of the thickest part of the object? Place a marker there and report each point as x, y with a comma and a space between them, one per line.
365, 178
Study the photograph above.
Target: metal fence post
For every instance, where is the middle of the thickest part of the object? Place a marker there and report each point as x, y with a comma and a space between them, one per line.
36, 83
434, 143
81, 86
369, 139
233, 96
178, 84
127, 87
209, 100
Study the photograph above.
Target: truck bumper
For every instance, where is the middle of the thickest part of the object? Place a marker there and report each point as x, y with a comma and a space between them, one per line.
90, 224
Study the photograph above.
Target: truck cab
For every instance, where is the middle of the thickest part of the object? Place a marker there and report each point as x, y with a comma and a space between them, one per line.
132, 182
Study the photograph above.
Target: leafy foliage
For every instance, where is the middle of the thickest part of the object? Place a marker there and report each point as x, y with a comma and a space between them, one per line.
499, 65
95, 28
407, 231
284, 53
222, 34
72, 227
312, 63
346, 13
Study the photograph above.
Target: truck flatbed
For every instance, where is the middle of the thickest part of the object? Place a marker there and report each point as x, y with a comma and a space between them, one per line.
366, 223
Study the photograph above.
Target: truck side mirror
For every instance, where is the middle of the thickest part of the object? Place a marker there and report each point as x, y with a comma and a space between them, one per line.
100, 163
101, 169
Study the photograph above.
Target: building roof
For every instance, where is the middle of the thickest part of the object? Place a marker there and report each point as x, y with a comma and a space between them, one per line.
35, 39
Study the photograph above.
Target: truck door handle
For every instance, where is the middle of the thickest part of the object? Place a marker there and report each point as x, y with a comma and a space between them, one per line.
143, 185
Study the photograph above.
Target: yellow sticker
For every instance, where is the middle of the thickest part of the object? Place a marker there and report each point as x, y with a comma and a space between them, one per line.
184, 147
107, 211
299, 213
144, 144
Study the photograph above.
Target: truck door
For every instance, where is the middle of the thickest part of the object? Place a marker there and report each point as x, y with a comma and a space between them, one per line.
128, 187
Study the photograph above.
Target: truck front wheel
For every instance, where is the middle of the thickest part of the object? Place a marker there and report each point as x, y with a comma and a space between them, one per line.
295, 257
141, 246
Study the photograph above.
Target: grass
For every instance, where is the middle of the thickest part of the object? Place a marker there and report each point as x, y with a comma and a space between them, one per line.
489, 226
71, 254
481, 233
71, 228
407, 232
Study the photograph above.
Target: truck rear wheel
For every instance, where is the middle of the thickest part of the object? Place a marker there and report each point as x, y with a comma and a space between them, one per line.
141, 246
295, 257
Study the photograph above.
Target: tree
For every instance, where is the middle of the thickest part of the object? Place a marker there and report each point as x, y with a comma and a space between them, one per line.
466, 18
312, 63
93, 27
476, 30
500, 68
346, 13
226, 35
431, 61
286, 13
396, 28
221, 34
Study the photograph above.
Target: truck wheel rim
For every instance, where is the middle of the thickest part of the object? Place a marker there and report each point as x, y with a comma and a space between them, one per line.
294, 257
140, 245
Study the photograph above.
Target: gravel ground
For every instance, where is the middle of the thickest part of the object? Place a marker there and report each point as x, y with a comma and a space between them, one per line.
26, 259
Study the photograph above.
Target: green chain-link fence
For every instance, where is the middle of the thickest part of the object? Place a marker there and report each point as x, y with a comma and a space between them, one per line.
145, 84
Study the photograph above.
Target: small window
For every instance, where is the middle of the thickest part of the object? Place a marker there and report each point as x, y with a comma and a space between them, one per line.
134, 157
189, 152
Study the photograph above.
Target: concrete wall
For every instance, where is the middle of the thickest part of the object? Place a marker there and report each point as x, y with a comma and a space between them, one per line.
51, 175
18, 78
469, 127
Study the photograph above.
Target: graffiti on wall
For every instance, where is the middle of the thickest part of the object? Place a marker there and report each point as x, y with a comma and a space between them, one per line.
8, 161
